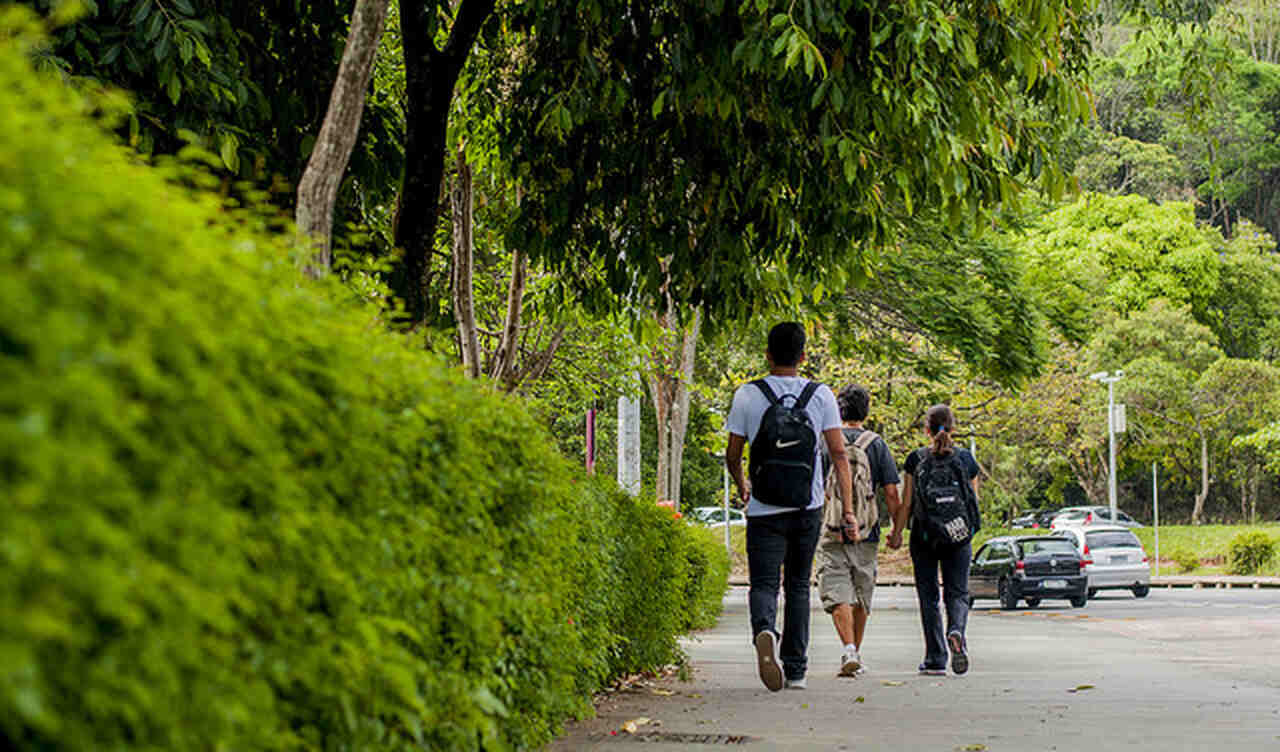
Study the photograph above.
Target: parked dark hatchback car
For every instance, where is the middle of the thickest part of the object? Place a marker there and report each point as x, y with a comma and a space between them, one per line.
1029, 568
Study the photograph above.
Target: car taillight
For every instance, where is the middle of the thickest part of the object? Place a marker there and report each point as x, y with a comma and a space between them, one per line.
1020, 566
1084, 563
1086, 549
1088, 518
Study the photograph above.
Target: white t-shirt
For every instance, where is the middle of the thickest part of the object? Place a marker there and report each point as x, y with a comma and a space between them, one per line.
749, 405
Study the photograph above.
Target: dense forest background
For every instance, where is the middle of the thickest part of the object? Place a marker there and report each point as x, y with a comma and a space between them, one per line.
586, 240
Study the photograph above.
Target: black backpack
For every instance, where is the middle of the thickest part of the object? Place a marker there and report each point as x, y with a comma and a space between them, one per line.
944, 501
783, 451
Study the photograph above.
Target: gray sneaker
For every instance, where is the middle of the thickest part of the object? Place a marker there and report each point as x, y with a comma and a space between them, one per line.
770, 662
797, 683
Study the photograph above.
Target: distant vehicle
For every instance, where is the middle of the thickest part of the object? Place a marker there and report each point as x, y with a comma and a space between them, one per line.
1035, 520
1029, 568
714, 516
1114, 558
1091, 516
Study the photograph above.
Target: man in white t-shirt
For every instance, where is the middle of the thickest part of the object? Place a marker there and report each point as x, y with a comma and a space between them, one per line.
784, 537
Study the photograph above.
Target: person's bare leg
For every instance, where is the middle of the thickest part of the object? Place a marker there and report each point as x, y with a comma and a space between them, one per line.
843, 618
858, 618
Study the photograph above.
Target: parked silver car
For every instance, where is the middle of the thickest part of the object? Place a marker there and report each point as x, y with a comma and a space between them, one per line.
1114, 558
1091, 516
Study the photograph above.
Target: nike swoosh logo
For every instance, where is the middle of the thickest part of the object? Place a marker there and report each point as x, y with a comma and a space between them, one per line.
785, 444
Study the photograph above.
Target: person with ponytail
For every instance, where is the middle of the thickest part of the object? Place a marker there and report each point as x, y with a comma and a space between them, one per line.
940, 499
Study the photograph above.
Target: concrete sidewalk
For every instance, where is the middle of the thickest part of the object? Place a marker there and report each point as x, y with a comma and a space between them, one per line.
1055, 679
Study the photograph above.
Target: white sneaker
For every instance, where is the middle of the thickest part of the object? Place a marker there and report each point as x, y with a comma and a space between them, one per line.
769, 660
850, 663
797, 683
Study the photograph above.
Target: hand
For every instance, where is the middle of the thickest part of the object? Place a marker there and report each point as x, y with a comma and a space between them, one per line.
744, 493
895, 540
850, 521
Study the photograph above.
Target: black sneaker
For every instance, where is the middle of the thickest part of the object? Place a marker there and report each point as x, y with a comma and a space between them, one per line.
959, 658
927, 670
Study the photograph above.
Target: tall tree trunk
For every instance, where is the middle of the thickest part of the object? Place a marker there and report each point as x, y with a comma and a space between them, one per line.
1198, 512
658, 385
430, 77
680, 406
464, 307
318, 188
670, 373
503, 367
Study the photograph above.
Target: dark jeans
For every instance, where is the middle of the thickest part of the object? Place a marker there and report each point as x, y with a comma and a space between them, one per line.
786, 541
927, 558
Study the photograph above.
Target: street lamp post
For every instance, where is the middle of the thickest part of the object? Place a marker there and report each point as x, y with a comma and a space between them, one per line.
1110, 379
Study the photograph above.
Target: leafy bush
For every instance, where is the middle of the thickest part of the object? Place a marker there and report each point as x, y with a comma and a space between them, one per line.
1250, 552
1187, 561
238, 515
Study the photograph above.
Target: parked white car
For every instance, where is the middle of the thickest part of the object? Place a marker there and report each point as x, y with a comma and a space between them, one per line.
714, 516
1114, 558
1091, 516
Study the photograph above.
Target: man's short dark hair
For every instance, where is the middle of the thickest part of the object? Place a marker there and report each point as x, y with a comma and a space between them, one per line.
855, 403
786, 343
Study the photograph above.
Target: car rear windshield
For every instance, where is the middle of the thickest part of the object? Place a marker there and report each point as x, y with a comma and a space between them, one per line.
1047, 546
1112, 539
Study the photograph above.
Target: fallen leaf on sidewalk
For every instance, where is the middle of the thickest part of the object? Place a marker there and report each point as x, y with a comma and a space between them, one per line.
973, 748
859, 698
1081, 688
696, 696
888, 683
632, 726
662, 692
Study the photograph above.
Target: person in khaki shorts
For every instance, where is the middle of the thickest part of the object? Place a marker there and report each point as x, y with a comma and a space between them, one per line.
847, 570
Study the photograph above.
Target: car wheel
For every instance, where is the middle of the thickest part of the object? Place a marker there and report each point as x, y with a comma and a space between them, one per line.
1141, 590
1079, 601
1093, 592
971, 601
1008, 601
1033, 602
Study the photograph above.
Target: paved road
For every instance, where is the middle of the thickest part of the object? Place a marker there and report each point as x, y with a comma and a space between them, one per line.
1179, 670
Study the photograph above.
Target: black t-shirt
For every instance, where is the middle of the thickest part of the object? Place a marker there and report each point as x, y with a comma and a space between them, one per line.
884, 472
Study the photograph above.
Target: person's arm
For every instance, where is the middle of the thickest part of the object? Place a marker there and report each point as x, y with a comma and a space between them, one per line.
904, 508
976, 471
844, 477
733, 461
894, 502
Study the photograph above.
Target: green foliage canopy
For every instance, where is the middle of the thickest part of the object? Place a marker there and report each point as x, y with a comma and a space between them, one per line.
748, 145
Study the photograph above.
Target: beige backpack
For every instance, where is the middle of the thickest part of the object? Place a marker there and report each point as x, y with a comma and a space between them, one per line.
864, 493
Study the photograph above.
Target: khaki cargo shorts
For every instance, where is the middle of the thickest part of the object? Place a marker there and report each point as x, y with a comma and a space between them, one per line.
846, 574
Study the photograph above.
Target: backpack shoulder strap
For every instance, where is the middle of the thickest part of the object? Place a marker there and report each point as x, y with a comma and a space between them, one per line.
763, 386
865, 439
806, 394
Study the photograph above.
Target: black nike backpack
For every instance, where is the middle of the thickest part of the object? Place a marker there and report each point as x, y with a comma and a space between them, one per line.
784, 450
944, 501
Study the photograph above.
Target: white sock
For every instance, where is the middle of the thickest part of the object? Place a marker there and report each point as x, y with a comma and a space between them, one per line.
849, 648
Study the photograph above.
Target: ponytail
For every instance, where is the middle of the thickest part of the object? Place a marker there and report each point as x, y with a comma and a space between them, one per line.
940, 422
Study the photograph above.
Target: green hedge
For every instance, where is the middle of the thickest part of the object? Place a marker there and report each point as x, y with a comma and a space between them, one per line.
237, 514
